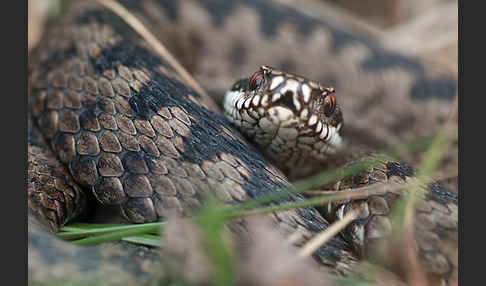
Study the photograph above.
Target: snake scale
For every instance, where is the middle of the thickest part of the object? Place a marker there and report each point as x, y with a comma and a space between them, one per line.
126, 131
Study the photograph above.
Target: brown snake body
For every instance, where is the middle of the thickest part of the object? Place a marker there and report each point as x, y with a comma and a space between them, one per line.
128, 131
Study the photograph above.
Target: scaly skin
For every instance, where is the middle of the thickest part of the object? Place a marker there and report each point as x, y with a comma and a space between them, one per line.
54, 199
131, 133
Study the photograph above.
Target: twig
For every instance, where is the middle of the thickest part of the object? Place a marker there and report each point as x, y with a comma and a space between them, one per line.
374, 189
415, 274
159, 48
360, 193
317, 241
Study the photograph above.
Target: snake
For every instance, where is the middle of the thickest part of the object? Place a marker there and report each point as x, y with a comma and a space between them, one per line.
113, 126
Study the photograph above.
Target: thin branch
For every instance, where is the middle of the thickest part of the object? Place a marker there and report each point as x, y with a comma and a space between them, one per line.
379, 188
361, 192
320, 239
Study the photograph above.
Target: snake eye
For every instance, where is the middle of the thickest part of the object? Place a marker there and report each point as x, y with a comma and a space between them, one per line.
255, 80
329, 104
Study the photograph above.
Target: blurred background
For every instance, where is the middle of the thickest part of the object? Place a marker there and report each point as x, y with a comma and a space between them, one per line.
426, 29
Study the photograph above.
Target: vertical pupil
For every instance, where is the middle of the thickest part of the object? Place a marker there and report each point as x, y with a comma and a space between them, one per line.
255, 80
329, 104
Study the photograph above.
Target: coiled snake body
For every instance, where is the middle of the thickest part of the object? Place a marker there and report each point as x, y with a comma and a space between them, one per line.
126, 129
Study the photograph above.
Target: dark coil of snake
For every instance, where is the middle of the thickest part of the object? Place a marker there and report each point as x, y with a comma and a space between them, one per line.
112, 125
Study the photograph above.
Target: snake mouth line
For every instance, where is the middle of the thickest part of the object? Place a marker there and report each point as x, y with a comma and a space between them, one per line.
287, 116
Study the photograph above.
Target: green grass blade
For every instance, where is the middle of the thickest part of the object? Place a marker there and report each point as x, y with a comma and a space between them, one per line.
116, 235
80, 226
73, 232
144, 239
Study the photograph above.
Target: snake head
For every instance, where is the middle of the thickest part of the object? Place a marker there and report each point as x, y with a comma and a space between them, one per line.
285, 114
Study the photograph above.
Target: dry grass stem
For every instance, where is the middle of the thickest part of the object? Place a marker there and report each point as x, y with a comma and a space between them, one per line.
415, 275
375, 189
316, 242
360, 193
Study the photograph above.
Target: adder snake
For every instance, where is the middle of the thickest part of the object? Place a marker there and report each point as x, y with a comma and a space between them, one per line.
125, 129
